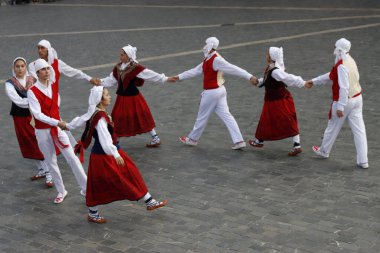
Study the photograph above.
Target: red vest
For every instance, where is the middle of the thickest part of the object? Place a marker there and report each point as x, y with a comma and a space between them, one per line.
49, 106
210, 76
334, 77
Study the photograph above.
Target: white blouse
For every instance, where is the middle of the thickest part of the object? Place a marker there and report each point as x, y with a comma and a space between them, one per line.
146, 74
104, 135
105, 138
11, 92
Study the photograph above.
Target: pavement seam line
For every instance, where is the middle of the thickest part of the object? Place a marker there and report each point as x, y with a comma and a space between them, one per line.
189, 26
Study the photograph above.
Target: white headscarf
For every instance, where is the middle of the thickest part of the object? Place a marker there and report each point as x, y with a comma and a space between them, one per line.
40, 64
277, 55
52, 54
96, 94
211, 43
131, 52
342, 47
13, 66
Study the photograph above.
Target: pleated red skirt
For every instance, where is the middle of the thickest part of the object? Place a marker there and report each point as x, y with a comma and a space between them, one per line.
131, 116
107, 182
27, 138
278, 120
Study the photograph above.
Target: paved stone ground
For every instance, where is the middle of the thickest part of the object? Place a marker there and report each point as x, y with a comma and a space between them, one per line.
220, 200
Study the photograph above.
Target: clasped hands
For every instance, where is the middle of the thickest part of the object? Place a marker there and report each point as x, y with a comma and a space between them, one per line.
63, 125
95, 81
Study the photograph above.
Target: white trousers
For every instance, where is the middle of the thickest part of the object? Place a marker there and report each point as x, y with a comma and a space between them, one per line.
46, 145
354, 115
215, 101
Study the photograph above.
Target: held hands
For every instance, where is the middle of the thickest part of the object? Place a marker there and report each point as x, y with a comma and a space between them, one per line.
62, 125
95, 81
173, 79
309, 84
254, 81
120, 161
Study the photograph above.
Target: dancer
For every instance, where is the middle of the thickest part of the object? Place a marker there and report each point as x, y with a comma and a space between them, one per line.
214, 96
49, 54
16, 88
347, 103
44, 102
112, 175
131, 114
278, 118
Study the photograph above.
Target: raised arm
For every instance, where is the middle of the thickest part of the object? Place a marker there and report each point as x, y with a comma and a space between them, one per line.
109, 81
35, 108
288, 79
15, 97
191, 72
221, 64
150, 75
322, 79
72, 72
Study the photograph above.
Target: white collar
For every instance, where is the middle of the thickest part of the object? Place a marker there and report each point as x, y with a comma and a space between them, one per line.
210, 55
42, 86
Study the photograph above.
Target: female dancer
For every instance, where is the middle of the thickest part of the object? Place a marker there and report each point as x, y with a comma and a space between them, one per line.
16, 88
112, 175
278, 118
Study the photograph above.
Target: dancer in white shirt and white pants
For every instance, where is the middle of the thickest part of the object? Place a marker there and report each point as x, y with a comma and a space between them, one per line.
44, 103
214, 96
347, 103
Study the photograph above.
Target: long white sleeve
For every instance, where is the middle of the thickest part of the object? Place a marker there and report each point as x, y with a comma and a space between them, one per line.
15, 97
322, 79
288, 79
77, 122
72, 72
221, 64
35, 108
344, 86
105, 138
191, 72
150, 75
108, 81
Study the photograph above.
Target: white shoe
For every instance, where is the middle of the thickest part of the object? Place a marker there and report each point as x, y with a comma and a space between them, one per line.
60, 197
363, 165
188, 141
83, 193
239, 145
317, 151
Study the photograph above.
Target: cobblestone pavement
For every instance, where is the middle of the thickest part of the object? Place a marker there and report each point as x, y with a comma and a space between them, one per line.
220, 200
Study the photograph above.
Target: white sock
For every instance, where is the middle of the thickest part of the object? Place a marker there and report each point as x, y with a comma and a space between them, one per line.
297, 141
153, 133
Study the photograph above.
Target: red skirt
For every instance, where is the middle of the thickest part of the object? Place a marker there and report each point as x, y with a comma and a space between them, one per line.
131, 116
27, 138
278, 120
107, 182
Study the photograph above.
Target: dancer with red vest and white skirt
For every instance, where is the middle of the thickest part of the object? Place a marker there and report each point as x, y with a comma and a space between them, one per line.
131, 113
16, 88
278, 118
112, 175
214, 96
347, 103
44, 101
49, 54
